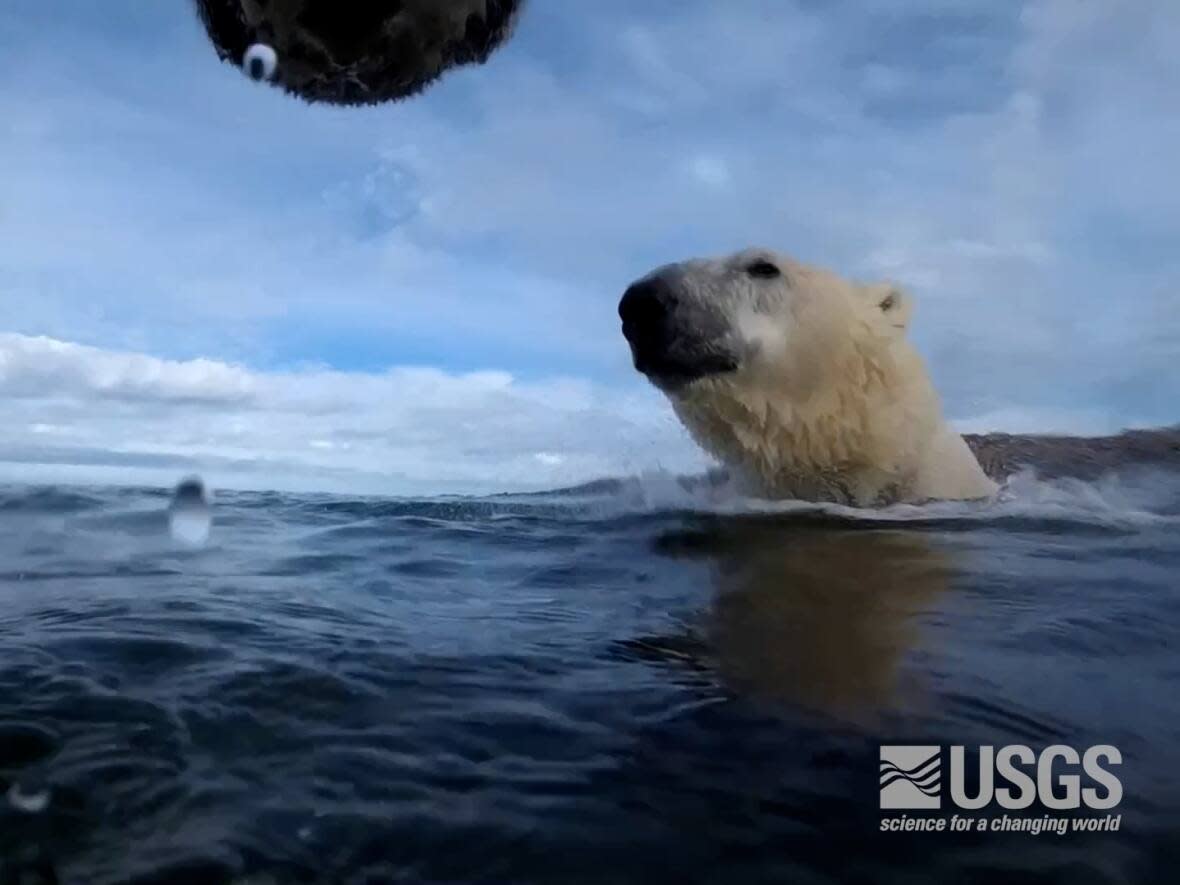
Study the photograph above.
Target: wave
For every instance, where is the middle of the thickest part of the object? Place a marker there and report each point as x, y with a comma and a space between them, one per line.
1133, 501
1127, 481
1137, 488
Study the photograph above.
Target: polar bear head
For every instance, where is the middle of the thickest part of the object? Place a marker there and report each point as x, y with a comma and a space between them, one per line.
759, 316
788, 373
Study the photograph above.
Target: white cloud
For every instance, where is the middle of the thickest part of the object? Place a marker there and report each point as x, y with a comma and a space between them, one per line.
33, 366
406, 429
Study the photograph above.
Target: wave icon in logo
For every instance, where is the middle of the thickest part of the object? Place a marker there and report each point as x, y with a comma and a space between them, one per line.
911, 777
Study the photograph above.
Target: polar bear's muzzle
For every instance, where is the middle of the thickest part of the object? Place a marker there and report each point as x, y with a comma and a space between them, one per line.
674, 339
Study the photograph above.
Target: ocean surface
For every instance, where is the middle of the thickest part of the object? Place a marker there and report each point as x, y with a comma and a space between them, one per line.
638, 685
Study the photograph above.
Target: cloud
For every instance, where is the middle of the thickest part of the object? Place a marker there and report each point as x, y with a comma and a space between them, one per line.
31, 367
408, 429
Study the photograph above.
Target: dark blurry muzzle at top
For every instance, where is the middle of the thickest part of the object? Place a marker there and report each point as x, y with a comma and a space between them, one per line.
355, 53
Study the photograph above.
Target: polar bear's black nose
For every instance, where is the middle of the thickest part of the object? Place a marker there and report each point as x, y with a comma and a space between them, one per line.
644, 310
676, 335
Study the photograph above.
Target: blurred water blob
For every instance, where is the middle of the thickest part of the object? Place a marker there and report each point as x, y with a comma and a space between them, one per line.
260, 62
190, 516
29, 798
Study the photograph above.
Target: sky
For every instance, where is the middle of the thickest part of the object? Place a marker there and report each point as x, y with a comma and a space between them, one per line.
201, 274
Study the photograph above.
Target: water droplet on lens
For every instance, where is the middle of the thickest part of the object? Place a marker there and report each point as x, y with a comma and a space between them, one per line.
260, 62
29, 798
189, 515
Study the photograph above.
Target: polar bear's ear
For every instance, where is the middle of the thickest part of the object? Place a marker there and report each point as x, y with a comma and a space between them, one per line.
894, 306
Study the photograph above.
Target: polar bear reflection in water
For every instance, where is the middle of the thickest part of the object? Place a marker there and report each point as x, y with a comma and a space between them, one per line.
820, 615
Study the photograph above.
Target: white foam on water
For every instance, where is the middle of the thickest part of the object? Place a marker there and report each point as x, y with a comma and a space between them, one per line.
1141, 499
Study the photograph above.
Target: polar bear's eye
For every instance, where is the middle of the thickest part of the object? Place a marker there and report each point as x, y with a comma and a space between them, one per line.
763, 270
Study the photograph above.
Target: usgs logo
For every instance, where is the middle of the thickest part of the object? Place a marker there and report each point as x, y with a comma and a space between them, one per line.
1013, 777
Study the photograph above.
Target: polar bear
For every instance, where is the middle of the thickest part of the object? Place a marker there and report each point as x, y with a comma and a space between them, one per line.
801, 382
